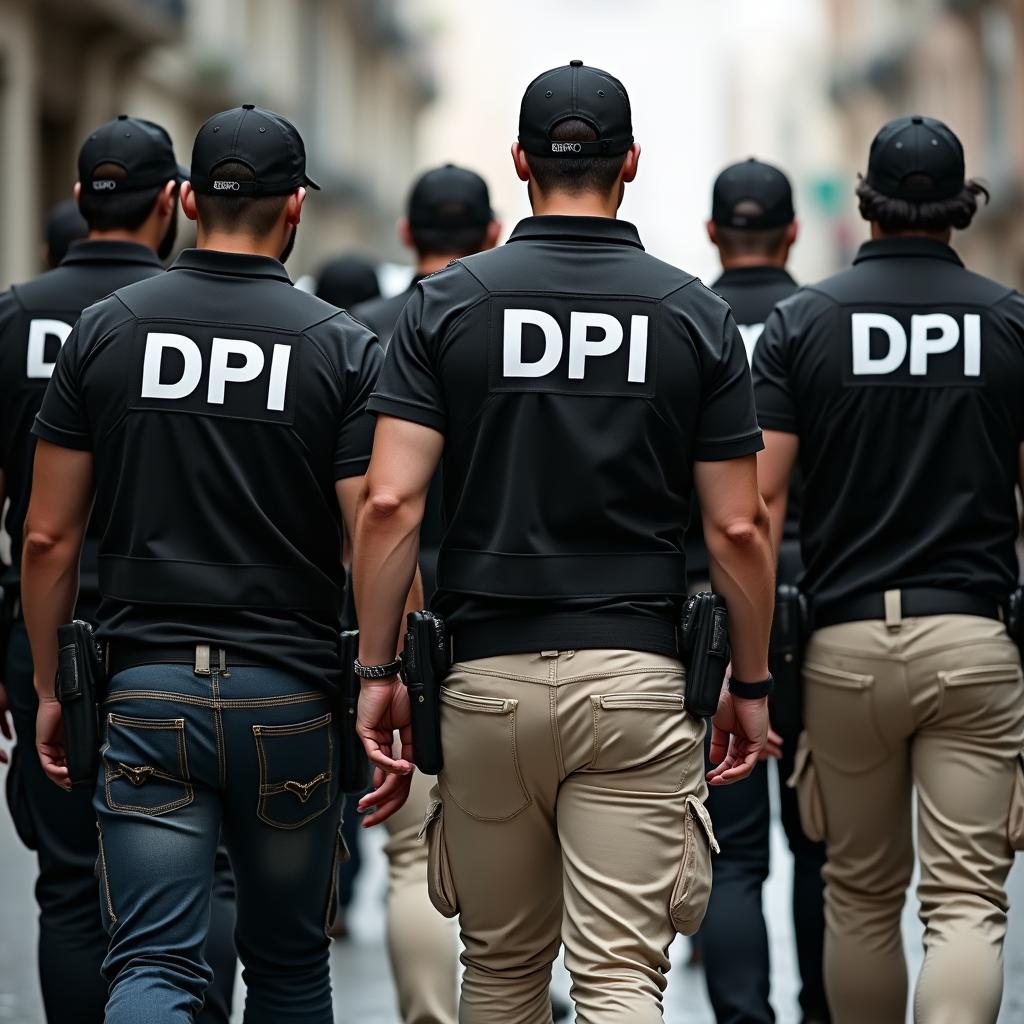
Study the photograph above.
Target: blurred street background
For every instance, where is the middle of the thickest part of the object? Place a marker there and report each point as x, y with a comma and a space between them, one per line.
382, 89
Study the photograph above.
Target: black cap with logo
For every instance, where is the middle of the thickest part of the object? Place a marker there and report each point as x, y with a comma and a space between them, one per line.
752, 196
916, 158
143, 149
265, 142
580, 93
449, 198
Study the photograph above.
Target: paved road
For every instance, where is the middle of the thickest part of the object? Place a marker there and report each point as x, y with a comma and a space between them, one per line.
363, 992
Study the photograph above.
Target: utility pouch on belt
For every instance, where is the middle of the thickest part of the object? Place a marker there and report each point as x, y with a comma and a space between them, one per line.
79, 687
705, 652
1015, 619
425, 663
785, 659
354, 763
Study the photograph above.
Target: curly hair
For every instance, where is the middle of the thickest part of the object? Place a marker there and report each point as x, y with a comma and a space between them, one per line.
898, 215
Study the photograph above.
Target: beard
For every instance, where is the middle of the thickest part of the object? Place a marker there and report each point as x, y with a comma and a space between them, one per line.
289, 245
166, 246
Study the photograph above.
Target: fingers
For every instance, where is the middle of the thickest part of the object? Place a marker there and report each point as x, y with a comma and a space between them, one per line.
5, 726
379, 753
719, 744
385, 800
56, 770
737, 764
772, 747
4, 758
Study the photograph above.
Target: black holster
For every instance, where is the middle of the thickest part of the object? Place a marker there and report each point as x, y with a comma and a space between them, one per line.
1015, 619
354, 762
426, 660
704, 647
785, 659
79, 686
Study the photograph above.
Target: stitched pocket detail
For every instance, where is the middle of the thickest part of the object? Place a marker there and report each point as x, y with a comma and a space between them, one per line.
145, 765
841, 705
341, 855
982, 675
103, 877
692, 890
440, 883
295, 771
808, 792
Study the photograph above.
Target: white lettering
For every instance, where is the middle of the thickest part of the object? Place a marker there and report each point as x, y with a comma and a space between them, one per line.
922, 345
37, 367
277, 391
221, 372
156, 343
226, 186
972, 345
750, 333
930, 334
862, 326
580, 347
513, 364
104, 185
637, 349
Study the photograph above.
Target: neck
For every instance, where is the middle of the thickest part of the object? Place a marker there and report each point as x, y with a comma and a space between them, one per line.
945, 237
243, 245
139, 237
566, 204
752, 260
431, 263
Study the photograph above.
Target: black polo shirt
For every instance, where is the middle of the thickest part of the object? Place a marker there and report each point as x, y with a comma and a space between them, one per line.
35, 319
221, 405
576, 379
381, 313
903, 378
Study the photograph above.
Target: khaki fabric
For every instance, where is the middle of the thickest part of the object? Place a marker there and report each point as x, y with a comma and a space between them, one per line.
422, 945
570, 810
931, 705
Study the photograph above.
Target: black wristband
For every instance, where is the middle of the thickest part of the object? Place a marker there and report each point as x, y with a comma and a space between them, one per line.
377, 671
751, 691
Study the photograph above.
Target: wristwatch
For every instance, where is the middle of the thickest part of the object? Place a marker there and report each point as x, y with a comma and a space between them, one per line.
751, 691
384, 671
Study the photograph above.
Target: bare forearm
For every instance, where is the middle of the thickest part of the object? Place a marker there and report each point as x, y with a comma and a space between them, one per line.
742, 567
777, 504
49, 590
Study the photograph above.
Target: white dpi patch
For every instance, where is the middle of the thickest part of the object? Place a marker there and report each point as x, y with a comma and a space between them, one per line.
931, 334
37, 366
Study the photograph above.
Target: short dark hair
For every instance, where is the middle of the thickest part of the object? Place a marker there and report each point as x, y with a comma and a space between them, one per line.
112, 211
448, 242
897, 215
575, 174
750, 242
254, 215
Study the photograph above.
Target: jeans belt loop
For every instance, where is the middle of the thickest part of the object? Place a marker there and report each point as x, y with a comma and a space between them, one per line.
893, 610
202, 660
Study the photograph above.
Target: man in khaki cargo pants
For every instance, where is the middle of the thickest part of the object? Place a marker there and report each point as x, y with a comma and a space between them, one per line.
580, 391
901, 380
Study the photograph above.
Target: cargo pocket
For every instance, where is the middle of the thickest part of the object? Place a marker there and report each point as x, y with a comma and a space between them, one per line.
808, 793
440, 884
145, 765
341, 856
693, 885
481, 770
295, 771
1015, 827
107, 915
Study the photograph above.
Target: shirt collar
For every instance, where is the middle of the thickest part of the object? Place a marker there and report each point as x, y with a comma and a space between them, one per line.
895, 248
231, 264
577, 229
99, 250
742, 276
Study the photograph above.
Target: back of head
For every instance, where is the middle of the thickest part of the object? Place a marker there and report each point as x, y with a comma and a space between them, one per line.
751, 210
449, 211
575, 124
64, 225
915, 183
347, 280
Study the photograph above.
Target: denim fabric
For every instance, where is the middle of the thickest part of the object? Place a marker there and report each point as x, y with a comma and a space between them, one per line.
248, 754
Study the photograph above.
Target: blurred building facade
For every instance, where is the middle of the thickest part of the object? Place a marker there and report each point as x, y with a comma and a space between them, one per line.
350, 73
961, 61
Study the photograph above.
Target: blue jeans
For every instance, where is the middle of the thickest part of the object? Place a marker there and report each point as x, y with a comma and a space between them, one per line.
247, 754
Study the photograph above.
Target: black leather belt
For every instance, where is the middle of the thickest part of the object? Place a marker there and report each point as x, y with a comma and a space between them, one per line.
122, 656
914, 601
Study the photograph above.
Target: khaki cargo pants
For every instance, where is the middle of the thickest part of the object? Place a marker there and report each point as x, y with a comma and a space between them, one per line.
570, 810
933, 705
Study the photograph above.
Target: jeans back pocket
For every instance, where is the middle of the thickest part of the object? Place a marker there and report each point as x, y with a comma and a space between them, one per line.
295, 771
145, 765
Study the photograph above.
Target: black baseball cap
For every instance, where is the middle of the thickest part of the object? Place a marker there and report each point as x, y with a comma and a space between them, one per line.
747, 183
581, 93
916, 158
449, 198
141, 147
268, 144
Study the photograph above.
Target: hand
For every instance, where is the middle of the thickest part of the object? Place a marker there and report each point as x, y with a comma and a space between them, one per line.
739, 732
773, 746
390, 791
383, 708
5, 721
50, 742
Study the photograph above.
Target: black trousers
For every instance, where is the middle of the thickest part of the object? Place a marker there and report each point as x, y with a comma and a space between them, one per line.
61, 828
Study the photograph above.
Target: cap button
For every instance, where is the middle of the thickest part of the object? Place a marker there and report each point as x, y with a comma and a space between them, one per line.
248, 106
122, 117
917, 119
575, 63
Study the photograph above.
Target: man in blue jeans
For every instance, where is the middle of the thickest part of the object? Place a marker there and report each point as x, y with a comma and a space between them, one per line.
216, 417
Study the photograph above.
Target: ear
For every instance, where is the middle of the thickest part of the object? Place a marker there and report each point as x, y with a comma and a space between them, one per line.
492, 235
404, 230
165, 201
77, 191
712, 231
293, 208
792, 233
631, 164
522, 163
188, 201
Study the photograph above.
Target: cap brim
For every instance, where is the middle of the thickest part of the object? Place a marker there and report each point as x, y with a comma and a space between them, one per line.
311, 183
183, 173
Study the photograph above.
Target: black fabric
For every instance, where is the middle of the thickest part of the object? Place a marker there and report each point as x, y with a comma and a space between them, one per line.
757, 182
449, 198
559, 484
751, 293
381, 314
222, 523
909, 465
916, 158
141, 147
35, 318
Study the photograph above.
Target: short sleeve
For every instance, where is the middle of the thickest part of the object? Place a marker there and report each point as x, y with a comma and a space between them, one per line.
409, 386
62, 419
727, 428
776, 408
354, 441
